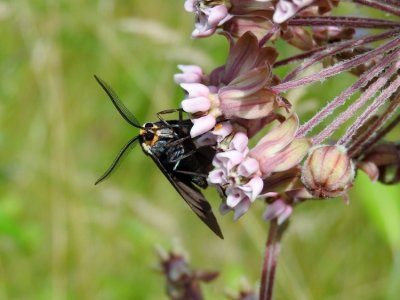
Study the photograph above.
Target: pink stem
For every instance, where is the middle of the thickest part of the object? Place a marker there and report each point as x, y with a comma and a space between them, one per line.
380, 6
341, 99
330, 49
336, 69
352, 109
371, 135
275, 28
339, 21
379, 101
272, 249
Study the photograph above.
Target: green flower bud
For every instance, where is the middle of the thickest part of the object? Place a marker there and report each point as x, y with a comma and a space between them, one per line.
328, 171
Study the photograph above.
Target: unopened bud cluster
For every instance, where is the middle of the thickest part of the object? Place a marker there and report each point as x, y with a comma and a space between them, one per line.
328, 171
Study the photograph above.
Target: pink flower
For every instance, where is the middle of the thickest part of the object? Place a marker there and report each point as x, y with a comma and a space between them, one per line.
217, 176
193, 105
248, 167
239, 143
237, 174
246, 55
286, 9
211, 15
201, 101
279, 150
278, 209
252, 188
219, 133
190, 74
238, 90
240, 197
208, 16
228, 159
202, 125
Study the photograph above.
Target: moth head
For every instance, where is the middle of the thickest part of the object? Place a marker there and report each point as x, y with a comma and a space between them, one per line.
149, 134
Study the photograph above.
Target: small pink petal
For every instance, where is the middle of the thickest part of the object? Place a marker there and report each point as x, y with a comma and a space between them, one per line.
190, 74
241, 208
248, 167
284, 11
217, 14
195, 89
253, 188
276, 139
250, 82
217, 176
254, 106
200, 33
302, 3
242, 56
239, 142
285, 159
234, 196
187, 78
269, 195
285, 214
191, 69
189, 5
228, 159
202, 125
197, 104
274, 209
222, 130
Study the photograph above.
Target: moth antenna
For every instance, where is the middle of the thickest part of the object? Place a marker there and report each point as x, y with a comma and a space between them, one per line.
123, 111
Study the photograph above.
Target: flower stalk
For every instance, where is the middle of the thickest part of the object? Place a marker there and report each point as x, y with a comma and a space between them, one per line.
384, 5
272, 249
336, 69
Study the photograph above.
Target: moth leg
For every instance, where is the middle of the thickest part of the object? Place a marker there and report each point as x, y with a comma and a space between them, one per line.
177, 142
177, 160
169, 111
191, 173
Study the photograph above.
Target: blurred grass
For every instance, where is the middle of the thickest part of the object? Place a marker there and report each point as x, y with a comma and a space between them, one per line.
63, 238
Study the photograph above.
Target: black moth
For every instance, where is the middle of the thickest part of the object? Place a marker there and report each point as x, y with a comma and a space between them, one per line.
169, 144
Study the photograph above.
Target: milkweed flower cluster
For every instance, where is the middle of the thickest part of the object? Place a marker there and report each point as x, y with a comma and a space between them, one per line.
294, 159
212, 15
231, 104
239, 89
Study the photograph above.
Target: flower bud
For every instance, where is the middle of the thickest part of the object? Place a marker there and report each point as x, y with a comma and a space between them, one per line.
328, 171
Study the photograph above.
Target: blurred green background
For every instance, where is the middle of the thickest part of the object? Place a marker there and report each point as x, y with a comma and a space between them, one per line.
63, 238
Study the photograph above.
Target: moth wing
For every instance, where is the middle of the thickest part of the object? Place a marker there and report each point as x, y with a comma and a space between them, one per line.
193, 197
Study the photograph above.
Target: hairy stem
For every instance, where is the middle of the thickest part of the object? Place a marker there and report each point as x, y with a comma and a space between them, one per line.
272, 249
365, 96
336, 69
337, 48
372, 135
368, 113
391, 2
341, 99
334, 49
380, 5
330, 49
339, 21
275, 28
